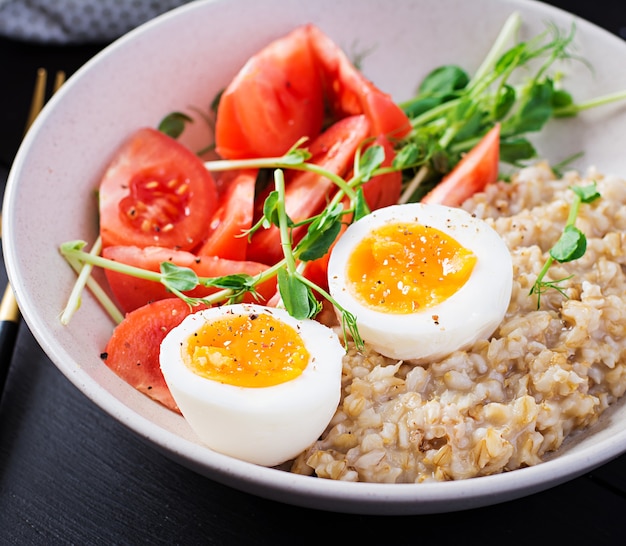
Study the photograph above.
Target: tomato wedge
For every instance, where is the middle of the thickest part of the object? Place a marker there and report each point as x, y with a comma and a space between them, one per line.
282, 93
132, 352
306, 193
472, 174
155, 192
348, 92
233, 217
275, 99
132, 292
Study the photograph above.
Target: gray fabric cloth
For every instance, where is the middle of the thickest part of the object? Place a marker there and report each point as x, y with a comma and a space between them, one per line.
77, 21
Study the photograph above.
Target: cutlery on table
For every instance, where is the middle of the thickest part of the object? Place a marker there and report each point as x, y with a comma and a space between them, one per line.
9, 310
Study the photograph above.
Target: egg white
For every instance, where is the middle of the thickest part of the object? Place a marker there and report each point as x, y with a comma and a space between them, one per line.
470, 314
262, 425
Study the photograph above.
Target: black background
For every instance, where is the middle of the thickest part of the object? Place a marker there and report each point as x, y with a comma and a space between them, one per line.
70, 474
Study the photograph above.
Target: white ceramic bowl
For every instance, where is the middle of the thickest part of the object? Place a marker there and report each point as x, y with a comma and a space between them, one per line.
183, 58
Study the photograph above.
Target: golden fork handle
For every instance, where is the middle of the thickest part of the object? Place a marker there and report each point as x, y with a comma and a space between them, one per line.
9, 309
39, 94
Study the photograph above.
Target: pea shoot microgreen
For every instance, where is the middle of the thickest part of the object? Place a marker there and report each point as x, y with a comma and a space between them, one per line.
571, 245
296, 291
175, 278
174, 124
449, 114
452, 111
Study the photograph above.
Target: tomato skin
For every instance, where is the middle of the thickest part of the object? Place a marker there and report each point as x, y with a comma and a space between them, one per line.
348, 92
225, 237
275, 99
132, 352
306, 193
132, 292
477, 169
281, 94
155, 192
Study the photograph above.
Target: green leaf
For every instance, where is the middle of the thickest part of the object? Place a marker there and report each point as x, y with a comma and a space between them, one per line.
318, 242
328, 217
419, 105
412, 154
444, 80
321, 234
440, 85
534, 112
505, 100
297, 297
72, 246
472, 125
174, 124
587, 194
371, 159
464, 109
571, 245
511, 58
177, 277
514, 150
271, 211
361, 207
295, 157
561, 99
236, 282
215, 103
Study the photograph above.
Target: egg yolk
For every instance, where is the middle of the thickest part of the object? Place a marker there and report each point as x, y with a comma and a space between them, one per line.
246, 351
407, 267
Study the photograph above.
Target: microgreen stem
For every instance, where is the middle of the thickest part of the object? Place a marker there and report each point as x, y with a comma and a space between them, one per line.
573, 109
103, 298
459, 111
544, 270
570, 246
74, 251
219, 165
573, 210
279, 163
483, 77
508, 31
452, 110
412, 186
434, 113
285, 238
73, 303
346, 188
348, 320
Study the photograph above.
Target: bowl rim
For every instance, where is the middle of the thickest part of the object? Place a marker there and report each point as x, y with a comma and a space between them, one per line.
373, 498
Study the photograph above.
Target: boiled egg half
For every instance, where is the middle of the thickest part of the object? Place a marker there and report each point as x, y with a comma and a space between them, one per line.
422, 280
253, 382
